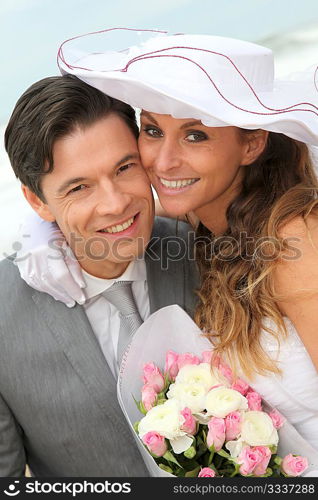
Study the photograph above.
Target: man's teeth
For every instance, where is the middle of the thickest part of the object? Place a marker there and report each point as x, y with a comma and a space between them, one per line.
177, 184
119, 227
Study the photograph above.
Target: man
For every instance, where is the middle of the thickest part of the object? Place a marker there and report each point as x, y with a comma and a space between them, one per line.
74, 150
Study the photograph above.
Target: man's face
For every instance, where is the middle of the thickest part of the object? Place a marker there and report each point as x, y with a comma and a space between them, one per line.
100, 196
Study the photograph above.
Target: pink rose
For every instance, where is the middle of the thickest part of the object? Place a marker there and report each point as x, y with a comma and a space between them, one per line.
187, 359
240, 386
190, 424
155, 443
232, 425
148, 396
223, 368
264, 454
171, 365
254, 401
277, 419
216, 434
248, 458
206, 472
294, 465
152, 376
207, 357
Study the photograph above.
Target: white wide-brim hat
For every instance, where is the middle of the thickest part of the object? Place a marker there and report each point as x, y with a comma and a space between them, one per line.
220, 81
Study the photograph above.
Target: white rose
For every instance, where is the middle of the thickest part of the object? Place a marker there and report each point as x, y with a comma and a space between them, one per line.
258, 429
221, 401
188, 396
165, 419
234, 447
199, 374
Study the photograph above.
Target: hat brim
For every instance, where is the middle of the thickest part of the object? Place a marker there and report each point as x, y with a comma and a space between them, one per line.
157, 82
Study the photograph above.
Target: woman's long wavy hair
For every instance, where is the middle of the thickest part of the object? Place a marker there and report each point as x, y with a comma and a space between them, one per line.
237, 290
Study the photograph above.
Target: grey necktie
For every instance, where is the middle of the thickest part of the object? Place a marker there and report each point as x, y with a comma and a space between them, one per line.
121, 296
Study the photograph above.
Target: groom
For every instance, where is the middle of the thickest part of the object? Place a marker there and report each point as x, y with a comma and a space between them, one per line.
75, 152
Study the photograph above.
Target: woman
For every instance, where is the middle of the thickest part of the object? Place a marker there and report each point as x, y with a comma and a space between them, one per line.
227, 147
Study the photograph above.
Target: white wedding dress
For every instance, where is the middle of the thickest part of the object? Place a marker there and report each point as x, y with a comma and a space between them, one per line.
295, 392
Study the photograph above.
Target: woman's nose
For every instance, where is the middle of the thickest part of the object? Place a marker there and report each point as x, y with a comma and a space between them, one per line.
168, 157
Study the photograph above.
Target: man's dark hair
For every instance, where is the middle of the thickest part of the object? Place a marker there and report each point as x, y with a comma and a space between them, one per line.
48, 110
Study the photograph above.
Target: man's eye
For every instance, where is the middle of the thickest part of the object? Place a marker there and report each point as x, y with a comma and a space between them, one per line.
152, 131
77, 188
125, 167
196, 136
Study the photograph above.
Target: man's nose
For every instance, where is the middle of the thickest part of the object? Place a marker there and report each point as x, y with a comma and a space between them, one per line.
112, 201
169, 157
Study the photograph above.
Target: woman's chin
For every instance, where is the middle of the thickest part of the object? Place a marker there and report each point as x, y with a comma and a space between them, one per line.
175, 210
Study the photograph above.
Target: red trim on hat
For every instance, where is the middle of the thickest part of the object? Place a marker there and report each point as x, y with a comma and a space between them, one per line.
154, 54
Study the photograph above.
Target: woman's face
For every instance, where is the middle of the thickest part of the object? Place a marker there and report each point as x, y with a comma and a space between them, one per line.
192, 167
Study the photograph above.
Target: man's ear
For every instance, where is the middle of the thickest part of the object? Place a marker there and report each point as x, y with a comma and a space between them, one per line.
40, 207
255, 144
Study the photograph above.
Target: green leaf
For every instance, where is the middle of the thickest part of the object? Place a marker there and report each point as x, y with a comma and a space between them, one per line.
166, 468
167, 382
224, 454
193, 473
236, 470
136, 424
142, 409
278, 460
140, 406
171, 458
136, 402
190, 452
160, 401
210, 458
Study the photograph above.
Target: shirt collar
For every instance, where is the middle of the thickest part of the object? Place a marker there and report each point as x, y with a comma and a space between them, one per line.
136, 271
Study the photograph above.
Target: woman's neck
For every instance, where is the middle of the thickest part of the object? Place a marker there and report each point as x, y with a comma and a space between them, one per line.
213, 214
213, 217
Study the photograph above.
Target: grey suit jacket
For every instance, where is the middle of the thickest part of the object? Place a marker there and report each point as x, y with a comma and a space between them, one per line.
58, 406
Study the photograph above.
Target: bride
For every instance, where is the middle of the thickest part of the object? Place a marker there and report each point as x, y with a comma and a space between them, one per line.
226, 146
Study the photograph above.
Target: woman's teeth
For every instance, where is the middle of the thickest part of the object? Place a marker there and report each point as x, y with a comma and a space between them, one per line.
119, 227
177, 184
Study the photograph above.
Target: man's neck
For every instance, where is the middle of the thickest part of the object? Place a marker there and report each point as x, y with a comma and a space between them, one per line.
104, 269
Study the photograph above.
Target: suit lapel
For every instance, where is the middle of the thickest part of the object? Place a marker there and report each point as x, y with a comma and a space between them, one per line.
171, 280
74, 335
165, 277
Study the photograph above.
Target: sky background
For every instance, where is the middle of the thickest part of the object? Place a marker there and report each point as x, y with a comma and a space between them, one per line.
31, 32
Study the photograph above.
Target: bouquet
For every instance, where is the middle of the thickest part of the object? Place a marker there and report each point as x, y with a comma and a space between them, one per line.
195, 443
202, 423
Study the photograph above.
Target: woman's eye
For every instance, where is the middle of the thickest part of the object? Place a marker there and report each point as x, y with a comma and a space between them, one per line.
77, 188
152, 131
196, 136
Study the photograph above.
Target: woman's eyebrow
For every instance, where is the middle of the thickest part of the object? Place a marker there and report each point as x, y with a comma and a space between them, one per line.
149, 116
191, 124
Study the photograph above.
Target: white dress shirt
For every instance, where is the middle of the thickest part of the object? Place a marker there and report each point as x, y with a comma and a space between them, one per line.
104, 316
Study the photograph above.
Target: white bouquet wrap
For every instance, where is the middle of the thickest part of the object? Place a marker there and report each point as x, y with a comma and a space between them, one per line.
170, 328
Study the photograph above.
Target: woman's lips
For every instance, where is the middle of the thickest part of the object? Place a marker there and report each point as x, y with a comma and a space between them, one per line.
175, 186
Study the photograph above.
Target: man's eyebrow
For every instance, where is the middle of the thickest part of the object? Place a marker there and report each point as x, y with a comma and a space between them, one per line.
69, 183
133, 156
76, 180
192, 123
